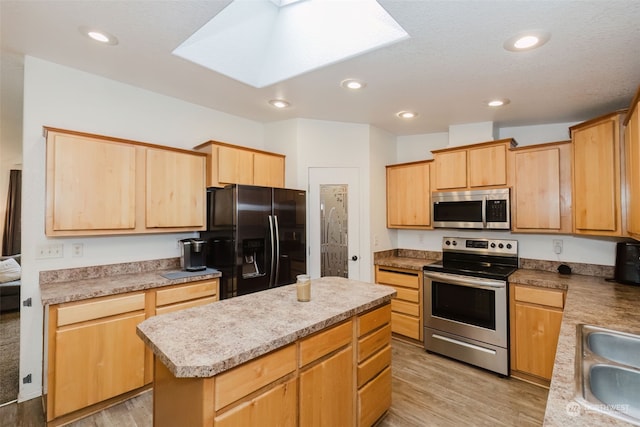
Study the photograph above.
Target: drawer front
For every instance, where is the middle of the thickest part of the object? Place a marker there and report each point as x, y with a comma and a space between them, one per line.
405, 325
98, 308
388, 277
373, 342
249, 377
187, 292
185, 305
407, 294
374, 399
373, 365
410, 308
548, 297
374, 319
325, 342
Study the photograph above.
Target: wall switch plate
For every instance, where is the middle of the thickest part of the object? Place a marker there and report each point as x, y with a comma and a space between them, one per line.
50, 251
557, 246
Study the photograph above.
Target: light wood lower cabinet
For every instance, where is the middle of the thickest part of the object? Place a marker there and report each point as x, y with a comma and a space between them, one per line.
340, 376
536, 316
94, 355
406, 307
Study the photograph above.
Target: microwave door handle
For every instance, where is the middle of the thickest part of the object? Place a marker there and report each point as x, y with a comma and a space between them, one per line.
484, 212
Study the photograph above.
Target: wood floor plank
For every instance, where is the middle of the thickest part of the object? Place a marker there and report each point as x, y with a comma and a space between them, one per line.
427, 390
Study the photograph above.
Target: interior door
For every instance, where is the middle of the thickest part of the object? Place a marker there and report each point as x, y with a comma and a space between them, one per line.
334, 176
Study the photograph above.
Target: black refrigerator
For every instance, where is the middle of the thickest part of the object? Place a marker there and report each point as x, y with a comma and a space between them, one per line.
256, 237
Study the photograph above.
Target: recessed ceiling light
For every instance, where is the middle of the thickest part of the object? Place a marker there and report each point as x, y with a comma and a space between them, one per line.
526, 41
279, 103
99, 36
407, 114
353, 84
498, 102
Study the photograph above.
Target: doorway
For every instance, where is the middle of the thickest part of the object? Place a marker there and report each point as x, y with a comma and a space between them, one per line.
334, 232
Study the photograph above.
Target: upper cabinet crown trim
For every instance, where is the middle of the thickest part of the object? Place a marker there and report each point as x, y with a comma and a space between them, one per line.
632, 107
47, 129
511, 141
238, 147
597, 119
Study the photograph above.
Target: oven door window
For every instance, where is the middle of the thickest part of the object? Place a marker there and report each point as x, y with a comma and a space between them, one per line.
464, 304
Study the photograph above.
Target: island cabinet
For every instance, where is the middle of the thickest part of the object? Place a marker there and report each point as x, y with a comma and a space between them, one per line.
409, 195
326, 362
232, 164
406, 307
632, 145
535, 316
98, 185
95, 357
597, 195
540, 180
472, 166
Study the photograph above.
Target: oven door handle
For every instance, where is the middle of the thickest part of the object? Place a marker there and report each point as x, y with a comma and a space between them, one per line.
472, 282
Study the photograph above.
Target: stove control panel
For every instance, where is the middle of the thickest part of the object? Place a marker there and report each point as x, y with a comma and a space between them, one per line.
502, 247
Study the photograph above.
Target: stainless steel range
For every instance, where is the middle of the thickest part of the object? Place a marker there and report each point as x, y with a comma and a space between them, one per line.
466, 301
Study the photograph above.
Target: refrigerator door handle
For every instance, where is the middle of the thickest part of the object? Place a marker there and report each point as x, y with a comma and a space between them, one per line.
277, 241
273, 259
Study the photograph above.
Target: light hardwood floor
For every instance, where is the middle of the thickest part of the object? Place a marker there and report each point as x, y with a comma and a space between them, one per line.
428, 390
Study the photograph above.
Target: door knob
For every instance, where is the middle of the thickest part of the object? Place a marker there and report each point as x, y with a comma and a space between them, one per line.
354, 258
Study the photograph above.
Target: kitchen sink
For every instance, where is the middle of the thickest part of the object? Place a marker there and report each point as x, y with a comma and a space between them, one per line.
608, 372
617, 387
615, 346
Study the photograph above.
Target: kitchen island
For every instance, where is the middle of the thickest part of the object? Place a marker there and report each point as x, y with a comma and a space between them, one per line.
267, 359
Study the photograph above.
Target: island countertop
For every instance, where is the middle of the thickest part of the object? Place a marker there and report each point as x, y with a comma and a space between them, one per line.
204, 341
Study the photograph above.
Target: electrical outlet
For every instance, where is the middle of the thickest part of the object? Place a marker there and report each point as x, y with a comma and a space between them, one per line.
376, 241
50, 251
557, 246
77, 250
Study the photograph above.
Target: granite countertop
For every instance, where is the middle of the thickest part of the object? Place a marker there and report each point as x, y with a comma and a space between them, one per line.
409, 259
590, 300
204, 341
60, 286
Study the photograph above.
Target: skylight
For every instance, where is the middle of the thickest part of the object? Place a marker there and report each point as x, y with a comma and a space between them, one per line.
262, 42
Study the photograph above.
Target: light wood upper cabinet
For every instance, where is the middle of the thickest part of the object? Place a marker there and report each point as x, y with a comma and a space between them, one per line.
409, 195
540, 177
98, 185
632, 140
174, 190
90, 184
232, 164
487, 166
597, 203
451, 169
472, 166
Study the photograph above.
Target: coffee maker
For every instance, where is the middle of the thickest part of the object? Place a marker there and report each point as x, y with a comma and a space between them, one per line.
627, 269
192, 255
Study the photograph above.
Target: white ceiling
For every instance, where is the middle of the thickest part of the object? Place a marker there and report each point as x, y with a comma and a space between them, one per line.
453, 61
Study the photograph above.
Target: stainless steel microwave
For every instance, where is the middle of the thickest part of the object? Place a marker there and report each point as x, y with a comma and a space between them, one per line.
479, 209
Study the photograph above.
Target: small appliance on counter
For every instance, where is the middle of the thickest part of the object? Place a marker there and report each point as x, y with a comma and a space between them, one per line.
192, 255
627, 269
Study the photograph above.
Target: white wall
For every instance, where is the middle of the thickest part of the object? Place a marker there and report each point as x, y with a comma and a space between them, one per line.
590, 250
70, 99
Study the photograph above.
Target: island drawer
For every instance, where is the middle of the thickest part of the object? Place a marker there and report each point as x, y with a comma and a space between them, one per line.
373, 342
187, 292
374, 319
374, 365
249, 377
541, 296
97, 308
325, 342
400, 278
374, 399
